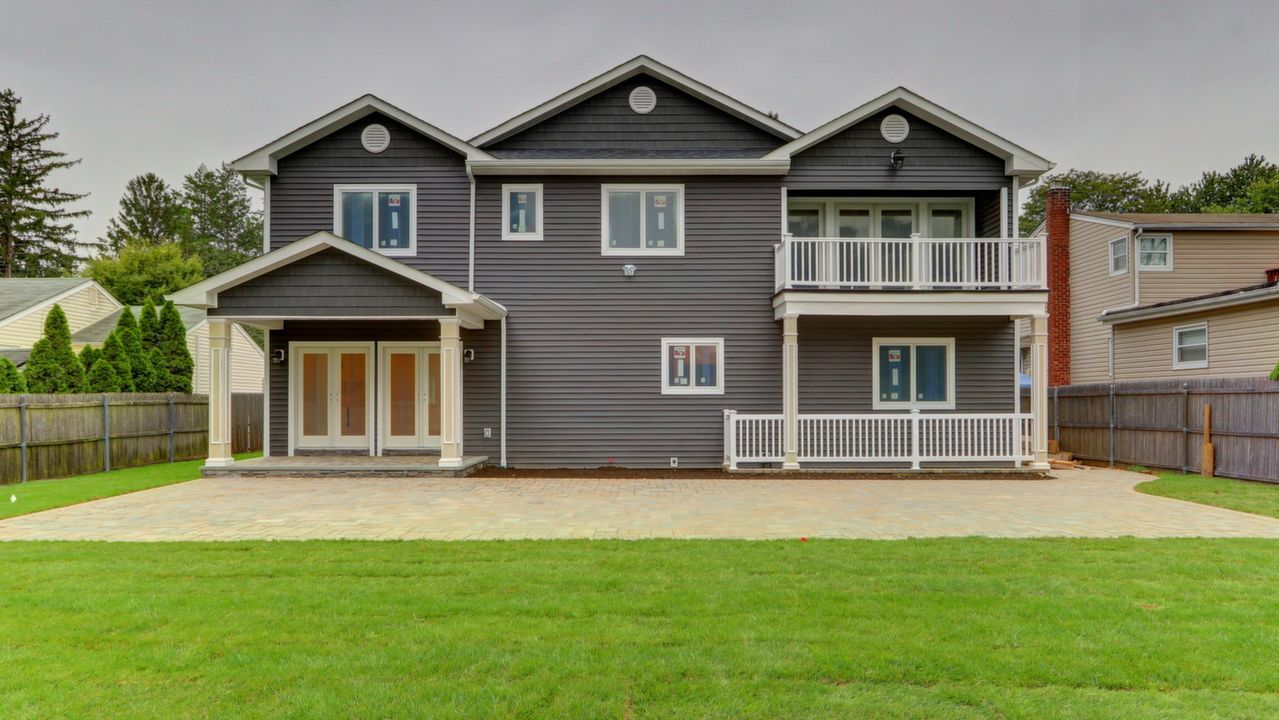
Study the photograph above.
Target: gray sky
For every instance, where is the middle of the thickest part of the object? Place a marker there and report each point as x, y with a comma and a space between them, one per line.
1167, 88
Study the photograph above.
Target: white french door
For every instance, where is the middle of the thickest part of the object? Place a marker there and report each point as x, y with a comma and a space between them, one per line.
409, 395
331, 385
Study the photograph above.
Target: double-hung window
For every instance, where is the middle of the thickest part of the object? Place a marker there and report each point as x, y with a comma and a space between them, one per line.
692, 366
1119, 256
378, 217
642, 219
1190, 346
521, 212
913, 373
1154, 252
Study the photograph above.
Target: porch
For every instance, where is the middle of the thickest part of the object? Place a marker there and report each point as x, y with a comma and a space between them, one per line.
325, 465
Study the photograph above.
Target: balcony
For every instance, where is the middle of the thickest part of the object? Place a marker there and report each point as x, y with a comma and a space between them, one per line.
913, 263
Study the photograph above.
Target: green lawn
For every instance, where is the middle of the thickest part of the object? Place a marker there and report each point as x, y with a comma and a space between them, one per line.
1252, 497
23, 498
948, 628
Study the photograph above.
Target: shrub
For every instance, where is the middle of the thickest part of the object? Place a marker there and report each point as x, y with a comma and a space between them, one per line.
149, 324
89, 355
52, 366
1274, 374
11, 380
144, 377
113, 352
103, 378
173, 361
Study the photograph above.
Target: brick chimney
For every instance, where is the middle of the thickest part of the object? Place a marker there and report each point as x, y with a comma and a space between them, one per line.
1057, 207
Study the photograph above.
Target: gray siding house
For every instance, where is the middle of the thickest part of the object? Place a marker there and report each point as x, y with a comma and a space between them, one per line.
645, 272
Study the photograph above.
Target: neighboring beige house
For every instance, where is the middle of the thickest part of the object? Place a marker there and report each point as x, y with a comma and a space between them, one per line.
1156, 296
92, 313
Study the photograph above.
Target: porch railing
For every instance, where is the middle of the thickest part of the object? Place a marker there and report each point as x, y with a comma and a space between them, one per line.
890, 438
913, 263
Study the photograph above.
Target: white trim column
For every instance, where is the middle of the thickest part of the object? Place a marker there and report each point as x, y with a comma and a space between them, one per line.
1039, 390
219, 394
450, 392
790, 391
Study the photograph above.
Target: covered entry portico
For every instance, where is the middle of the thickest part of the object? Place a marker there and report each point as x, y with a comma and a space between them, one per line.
365, 354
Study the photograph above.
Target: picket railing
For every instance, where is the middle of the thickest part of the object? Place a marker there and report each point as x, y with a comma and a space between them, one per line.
914, 263
889, 438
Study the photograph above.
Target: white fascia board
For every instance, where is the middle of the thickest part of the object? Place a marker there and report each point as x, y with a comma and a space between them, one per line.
630, 167
262, 162
928, 303
1121, 317
1085, 217
1017, 159
627, 70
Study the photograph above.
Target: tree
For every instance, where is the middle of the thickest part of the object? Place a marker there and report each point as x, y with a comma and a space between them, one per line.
173, 361
1229, 191
1274, 374
151, 213
225, 230
36, 227
1099, 191
103, 378
11, 380
144, 376
89, 355
140, 272
113, 352
52, 366
149, 324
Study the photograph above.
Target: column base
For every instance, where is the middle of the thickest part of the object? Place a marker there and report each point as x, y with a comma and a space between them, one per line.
450, 462
219, 462
1040, 466
790, 466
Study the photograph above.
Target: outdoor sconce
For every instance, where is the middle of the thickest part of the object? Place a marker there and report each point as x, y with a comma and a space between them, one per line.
628, 270
277, 357
897, 159
468, 354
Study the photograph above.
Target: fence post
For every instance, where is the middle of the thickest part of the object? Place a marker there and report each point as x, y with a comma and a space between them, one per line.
171, 429
106, 432
1112, 424
914, 439
22, 433
1185, 427
1056, 417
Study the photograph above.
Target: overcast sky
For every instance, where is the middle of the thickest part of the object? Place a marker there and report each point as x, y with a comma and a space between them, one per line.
1166, 88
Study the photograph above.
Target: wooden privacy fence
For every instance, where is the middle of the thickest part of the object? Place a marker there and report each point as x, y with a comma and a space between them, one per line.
47, 436
1159, 423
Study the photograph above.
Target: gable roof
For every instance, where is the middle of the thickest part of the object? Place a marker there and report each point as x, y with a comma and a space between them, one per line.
18, 356
1185, 221
1212, 301
21, 295
262, 162
1017, 160
96, 333
641, 64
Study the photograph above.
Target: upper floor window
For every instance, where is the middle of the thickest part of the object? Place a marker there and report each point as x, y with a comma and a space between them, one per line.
1190, 346
1154, 252
851, 218
642, 219
521, 212
1119, 256
692, 366
913, 373
378, 217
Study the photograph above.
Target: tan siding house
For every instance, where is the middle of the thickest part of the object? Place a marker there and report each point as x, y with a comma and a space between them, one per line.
1243, 341
26, 302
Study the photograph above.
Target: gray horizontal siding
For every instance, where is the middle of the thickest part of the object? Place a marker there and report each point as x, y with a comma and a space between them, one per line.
679, 126
329, 283
835, 373
857, 159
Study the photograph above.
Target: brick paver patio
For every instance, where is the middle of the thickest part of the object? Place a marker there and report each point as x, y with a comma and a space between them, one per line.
1094, 503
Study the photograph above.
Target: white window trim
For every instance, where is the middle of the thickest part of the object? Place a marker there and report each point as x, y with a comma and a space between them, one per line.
411, 250
693, 389
951, 390
1194, 365
641, 251
1153, 268
507, 234
922, 205
1127, 256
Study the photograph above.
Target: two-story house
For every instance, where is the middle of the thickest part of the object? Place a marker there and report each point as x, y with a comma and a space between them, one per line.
1160, 296
643, 271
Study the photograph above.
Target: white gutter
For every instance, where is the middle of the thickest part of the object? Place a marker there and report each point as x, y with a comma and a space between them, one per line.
641, 166
1117, 317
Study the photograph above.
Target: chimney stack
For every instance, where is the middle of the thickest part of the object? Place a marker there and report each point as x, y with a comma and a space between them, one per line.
1057, 212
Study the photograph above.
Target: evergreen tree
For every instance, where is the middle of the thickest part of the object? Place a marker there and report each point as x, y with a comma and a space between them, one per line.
224, 230
1229, 191
151, 213
36, 231
1097, 191
173, 360
149, 324
1274, 374
144, 377
113, 352
52, 366
11, 380
89, 355
103, 377
140, 272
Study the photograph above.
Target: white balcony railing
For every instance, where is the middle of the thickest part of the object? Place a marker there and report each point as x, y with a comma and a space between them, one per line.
913, 263
891, 438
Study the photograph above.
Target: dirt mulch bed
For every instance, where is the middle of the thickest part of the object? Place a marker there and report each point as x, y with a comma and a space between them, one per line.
618, 473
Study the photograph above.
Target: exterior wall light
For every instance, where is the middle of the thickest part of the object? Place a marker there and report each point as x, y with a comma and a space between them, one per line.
897, 159
629, 270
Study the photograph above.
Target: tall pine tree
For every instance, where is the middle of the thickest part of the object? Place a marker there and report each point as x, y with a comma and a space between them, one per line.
151, 213
114, 353
225, 230
172, 357
144, 376
36, 228
149, 324
52, 366
11, 380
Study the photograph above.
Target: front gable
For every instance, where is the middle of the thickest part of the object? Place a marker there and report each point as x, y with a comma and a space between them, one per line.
342, 147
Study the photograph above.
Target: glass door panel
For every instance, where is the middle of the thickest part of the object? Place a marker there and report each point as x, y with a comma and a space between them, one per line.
896, 222
433, 394
353, 402
315, 395
402, 400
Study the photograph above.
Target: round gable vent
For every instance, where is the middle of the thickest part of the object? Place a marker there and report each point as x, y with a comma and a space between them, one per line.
894, 128
643, 100
375, 138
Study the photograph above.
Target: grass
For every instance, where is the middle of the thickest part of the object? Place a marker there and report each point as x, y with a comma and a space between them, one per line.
1244, 495
953, 628
37, 495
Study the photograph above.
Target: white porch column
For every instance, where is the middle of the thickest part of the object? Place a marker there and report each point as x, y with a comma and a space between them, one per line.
450, 392
1039, 390
790, 391
219, 394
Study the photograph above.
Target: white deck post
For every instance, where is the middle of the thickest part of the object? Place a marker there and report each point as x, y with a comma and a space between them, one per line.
915, 440
790, 392
219, 394
1039, 390
450, 393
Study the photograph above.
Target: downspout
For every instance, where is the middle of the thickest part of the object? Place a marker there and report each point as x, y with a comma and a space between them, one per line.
470, 263
501, 426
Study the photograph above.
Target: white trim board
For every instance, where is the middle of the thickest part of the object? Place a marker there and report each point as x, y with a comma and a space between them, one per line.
375, 189
910, 403
596, 166
923, 303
